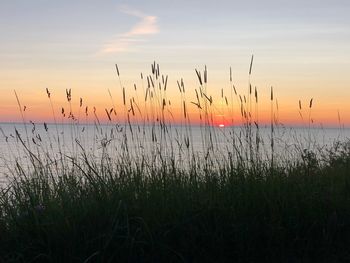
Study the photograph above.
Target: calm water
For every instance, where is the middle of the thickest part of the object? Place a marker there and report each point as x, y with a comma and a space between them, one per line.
180, 142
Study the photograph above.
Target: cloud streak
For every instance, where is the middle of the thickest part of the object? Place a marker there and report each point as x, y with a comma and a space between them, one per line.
122, 43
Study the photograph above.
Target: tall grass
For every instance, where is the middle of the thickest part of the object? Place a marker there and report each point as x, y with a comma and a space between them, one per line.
143, 190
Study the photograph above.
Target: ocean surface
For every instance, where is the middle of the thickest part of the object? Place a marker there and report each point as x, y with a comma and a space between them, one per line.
178, 142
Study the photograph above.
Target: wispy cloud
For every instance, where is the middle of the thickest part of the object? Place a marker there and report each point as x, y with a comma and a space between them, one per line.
124, 42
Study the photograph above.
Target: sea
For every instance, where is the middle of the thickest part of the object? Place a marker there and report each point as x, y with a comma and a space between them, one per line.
180, 142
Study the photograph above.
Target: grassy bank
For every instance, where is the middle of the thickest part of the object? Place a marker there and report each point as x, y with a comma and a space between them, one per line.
108, 213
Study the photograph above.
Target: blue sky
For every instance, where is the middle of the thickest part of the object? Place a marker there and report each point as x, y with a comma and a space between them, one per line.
84, 26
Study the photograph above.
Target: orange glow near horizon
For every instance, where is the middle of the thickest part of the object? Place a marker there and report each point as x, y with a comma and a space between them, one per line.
38, 109
104, 93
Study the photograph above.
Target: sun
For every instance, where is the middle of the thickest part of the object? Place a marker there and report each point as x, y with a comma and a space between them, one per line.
221, 125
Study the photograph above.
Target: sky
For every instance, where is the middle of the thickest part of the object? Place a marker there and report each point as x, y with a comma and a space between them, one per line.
301, 48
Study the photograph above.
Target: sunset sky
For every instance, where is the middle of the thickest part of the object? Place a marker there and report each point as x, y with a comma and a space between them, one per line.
301, 48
